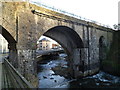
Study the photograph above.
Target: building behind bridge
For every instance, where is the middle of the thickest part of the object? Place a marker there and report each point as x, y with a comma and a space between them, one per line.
3, 45
45, 44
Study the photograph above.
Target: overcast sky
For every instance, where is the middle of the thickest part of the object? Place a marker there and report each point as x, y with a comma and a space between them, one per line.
102, 11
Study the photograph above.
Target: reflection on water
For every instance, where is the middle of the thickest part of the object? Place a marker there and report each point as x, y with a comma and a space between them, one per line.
49, 77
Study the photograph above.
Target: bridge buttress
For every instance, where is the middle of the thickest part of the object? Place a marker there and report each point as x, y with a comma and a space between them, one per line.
28, 65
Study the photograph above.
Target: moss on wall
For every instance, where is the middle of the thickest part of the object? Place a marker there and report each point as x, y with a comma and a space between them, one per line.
112, 62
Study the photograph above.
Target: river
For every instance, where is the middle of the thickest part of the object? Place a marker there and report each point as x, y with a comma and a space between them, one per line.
52, 73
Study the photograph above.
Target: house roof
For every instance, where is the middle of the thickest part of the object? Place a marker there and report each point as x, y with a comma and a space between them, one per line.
44, 39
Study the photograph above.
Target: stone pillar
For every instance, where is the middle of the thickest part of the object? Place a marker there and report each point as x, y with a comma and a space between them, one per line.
78, 63
13, 54
85, 61
28, 65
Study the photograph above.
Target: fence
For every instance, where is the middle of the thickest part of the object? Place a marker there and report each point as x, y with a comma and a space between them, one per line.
12, 78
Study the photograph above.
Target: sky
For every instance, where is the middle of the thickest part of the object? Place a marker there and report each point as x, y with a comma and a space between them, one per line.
119, 14
102, 11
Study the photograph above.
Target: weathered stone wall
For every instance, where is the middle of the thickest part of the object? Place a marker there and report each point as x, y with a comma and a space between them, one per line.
9, 17
112, 62
27, 22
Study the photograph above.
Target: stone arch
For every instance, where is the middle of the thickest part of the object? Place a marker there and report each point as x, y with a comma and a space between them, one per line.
66, 37
102, 50
72, 44
11, 45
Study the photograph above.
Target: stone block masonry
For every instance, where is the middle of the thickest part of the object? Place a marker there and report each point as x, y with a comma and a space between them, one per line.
23, 23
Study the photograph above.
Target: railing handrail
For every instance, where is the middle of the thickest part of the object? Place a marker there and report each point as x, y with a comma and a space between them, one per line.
18, 74
68, 13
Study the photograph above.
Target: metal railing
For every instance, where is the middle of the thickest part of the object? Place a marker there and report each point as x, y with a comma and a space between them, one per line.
68, 13
12, 78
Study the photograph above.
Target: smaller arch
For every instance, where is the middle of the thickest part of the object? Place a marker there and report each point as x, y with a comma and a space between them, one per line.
102, 50
102, 41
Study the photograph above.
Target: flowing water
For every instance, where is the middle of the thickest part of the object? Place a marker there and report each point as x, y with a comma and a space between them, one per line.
53, 74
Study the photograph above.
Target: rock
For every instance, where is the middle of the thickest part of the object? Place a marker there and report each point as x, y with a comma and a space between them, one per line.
44, 77
60, 70
51, 78
55, 80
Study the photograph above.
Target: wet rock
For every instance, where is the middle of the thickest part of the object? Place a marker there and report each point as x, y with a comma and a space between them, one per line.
55, 80
51, 78
54, 74
44, 77
60, 71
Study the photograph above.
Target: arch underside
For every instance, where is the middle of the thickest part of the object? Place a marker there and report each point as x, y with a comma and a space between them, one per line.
66, 37
8, 37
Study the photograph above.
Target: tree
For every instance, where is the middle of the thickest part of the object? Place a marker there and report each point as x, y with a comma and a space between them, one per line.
116, 27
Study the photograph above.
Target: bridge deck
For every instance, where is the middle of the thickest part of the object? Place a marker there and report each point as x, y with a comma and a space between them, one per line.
0, 76
4, 80
10, 77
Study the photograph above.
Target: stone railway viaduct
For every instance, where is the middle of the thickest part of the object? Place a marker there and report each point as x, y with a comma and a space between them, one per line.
87, 44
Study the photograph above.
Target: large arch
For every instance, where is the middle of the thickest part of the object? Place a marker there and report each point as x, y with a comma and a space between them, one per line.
66, 37
70, 41
11, 45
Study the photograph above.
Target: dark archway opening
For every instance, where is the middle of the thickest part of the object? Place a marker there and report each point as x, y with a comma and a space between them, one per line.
102, 51
68, 40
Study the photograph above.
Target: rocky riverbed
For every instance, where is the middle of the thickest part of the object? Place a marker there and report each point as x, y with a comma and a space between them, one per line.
53, 73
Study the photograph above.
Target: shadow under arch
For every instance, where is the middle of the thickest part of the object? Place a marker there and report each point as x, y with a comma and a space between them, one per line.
66, 37
102, 50
11, 45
